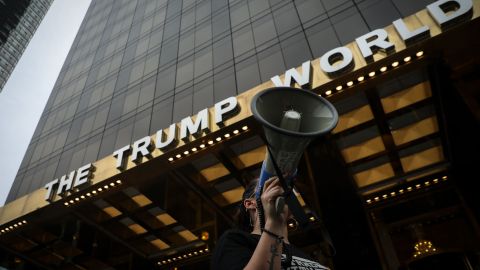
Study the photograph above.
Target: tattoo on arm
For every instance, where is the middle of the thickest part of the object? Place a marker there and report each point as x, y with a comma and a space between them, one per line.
273, 251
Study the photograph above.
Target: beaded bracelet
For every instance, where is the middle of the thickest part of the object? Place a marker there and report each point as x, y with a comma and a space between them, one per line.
278, 238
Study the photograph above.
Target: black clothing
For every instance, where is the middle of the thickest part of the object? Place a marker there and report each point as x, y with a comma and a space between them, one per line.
235, 248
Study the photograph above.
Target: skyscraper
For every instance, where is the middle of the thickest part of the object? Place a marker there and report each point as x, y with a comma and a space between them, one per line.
18, 22
113, 176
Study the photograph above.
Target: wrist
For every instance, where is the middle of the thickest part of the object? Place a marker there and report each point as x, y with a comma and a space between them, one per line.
275, 227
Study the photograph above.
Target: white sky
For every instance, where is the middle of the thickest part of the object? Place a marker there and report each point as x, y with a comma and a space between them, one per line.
24, 96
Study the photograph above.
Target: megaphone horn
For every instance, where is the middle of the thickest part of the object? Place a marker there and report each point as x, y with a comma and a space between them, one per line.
291, 118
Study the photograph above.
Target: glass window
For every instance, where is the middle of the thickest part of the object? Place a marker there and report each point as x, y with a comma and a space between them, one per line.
203, 61
309, 9
221, 23
271, 63
295, 50
203, 94
322, 38
186, 43
92, 149
147, 91
166, 81
257, 6
151, 63
116, 108
131, 100
124, 133
172, 28
162, 115
155, 39
286, 19
203, 33
242, 41
224, 85
184, 71
101, 117
188, 19
247, 74
218, 4
239, 13
141, 125
182, 106
222, 51
264, 30
169, 52
378, 14
343, 22
203, 10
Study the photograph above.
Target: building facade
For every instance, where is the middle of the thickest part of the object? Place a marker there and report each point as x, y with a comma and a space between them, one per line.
19, 20
386, 185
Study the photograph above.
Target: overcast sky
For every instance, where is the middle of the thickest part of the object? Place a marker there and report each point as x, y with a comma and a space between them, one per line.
26, 92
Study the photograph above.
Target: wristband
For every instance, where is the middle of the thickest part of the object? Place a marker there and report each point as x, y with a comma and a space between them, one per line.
278, 238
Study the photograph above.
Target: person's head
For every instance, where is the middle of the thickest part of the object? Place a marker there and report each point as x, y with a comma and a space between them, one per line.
247, 215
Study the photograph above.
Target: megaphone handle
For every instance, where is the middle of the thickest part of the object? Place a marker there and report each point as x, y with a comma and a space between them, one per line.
279, 205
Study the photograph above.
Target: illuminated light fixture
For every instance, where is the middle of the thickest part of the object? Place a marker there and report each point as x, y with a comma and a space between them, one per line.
244, 127
159, 263
15, 225
112, 184
210, 142
377, 199
185, 256
328, 93
384, 196
179, 257
202, 145
401, 190
119, 181
369, 201
419, 54
371, 74
427, 183
205, 235
418, 186
338, 88
169, 260
190, 254
291, 225
65, 203
206, 249
218, 139
201, 251
174, 259
350, 83
236, 131
395, 64
312, 218
423, 247
106, 187
383, 69
227, 135
178, 156
89, 194
71, 201
186, 152
407, 59
2, 231
435, 180
194, 149
361, 78
444, 178
164, 262
99, 189
94, 192
393, 193
409, 188
195, 253
77, 199
11, 227
82, 197
7, 229
170, 159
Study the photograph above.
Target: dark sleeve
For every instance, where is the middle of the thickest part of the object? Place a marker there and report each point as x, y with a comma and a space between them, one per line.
233, 251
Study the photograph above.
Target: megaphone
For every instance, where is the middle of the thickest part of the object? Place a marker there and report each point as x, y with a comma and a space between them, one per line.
291, 119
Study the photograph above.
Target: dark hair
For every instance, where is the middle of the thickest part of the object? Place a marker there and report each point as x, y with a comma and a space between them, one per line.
243, 215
